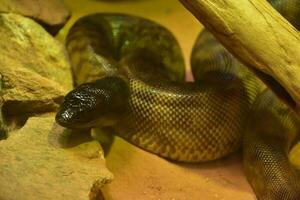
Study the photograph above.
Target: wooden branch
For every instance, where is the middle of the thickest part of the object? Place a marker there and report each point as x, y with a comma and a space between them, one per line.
257, 35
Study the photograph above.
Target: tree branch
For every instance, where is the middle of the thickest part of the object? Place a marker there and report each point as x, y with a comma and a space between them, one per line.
257, 35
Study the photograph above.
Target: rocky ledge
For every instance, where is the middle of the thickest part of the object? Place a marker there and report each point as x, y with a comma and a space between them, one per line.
39, 159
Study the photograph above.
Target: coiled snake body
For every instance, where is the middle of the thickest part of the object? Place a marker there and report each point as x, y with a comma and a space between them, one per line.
130, 77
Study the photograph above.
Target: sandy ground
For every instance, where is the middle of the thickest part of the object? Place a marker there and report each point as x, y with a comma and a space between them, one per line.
143, 176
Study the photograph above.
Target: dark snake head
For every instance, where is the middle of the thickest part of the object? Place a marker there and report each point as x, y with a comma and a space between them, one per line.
98, 103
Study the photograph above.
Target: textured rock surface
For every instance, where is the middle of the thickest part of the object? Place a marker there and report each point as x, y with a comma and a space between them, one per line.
34, 70
26, 44
52, 14
24, 92
41, 160
34, 166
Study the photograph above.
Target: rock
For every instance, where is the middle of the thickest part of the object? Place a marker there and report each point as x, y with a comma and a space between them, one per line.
34, 70
24, 92
51, 14
32, 167
26, 44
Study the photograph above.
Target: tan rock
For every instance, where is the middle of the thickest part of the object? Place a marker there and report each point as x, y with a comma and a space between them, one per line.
52, 14
24, 92
26, 44
34, 71
33, 167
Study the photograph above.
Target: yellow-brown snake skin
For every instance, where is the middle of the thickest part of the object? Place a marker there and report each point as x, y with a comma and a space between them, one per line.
130, 77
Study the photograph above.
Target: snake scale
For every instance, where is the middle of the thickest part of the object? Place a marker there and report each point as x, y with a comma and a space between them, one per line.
129, 75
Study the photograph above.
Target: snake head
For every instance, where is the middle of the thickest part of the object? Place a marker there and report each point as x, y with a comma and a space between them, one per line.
98, 103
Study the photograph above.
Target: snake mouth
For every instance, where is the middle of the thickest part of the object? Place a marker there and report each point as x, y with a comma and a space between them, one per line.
276, 87
67, 117
70, 119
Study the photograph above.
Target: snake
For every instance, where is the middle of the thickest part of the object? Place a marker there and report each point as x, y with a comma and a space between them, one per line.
129, 75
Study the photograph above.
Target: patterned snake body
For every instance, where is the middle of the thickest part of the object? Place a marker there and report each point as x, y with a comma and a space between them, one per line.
170, 118
130, 74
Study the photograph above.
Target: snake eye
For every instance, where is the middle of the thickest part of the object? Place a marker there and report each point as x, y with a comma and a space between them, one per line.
98, 103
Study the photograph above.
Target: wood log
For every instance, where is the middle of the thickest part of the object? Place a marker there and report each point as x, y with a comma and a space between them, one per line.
258, 36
